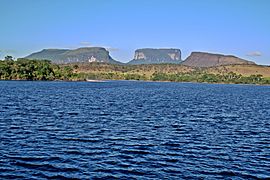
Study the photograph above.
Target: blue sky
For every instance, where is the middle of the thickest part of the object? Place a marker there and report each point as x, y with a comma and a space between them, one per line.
238, 27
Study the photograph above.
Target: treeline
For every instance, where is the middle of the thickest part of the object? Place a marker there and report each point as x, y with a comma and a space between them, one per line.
180, 77
231, 77
112, 76
24, 69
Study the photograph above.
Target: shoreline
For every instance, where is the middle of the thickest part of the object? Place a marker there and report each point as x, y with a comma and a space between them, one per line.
107, 80
22, 70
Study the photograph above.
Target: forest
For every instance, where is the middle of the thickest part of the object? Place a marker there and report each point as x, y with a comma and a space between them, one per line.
24, 69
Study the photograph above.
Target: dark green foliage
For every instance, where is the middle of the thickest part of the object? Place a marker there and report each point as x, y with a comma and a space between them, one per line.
210, 78
111, 76
8, 58
24, 69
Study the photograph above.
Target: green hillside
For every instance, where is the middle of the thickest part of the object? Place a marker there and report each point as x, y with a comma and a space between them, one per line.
63, 56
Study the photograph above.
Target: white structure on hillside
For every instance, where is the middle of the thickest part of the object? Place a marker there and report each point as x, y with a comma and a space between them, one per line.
92, 59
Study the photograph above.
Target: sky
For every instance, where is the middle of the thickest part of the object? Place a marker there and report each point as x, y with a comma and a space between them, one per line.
233, 27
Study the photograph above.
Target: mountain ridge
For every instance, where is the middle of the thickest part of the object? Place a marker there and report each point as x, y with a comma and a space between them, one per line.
83, 54
156, 56
206, 59
141, 56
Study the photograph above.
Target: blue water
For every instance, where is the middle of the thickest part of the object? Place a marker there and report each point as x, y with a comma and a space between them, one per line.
133, 130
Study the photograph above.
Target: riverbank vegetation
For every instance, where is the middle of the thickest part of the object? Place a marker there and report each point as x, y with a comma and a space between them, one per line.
24, 69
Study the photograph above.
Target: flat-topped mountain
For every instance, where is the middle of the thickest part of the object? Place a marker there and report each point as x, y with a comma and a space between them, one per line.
203, 59
156, 56
63, 56
142, 56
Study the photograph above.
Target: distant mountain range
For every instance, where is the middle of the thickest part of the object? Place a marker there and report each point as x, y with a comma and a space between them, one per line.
142, 56
202, 59
156, 56
64, 56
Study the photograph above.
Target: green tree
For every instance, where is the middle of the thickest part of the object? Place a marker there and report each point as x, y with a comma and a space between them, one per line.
8, 58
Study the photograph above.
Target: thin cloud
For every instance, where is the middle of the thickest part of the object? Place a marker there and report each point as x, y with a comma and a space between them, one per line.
108, 48
85, 43
111, 49
7, 51
254, 53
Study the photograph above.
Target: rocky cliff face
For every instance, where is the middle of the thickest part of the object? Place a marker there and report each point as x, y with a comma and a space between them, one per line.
156, 56
202, 59
88, 54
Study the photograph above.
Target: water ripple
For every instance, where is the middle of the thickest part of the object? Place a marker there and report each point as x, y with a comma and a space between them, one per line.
133, 130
